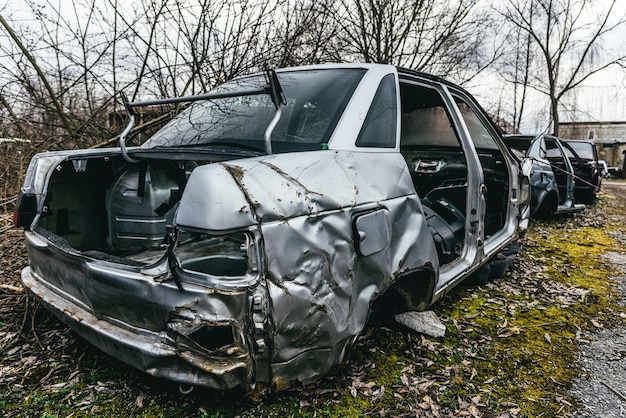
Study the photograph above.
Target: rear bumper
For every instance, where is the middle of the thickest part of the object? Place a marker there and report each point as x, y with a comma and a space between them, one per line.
156, 353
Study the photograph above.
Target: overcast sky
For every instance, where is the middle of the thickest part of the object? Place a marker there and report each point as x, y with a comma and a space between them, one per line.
601, 98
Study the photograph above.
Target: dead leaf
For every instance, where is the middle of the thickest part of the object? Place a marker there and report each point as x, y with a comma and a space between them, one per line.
474, 411
378, 393
139, 400
512, 330
462, 404
425, 405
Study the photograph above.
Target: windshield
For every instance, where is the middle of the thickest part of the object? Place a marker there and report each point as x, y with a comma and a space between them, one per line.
315, 102
585, 150
518, 143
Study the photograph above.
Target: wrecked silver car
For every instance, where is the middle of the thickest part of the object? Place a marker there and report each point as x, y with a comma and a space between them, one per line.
245, 242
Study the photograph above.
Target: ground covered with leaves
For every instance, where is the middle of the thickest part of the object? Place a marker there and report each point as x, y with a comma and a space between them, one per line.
510, 349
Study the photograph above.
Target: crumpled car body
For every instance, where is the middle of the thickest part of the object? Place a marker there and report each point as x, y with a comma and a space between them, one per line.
552, 176
202, 258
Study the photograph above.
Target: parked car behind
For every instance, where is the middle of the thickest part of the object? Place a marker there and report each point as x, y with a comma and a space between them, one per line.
609, 172
615, 172
584, 159
245, 242
552, 176
604, 168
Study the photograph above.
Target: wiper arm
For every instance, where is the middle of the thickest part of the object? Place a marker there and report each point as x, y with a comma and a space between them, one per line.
130, 112
274, 88
236, 145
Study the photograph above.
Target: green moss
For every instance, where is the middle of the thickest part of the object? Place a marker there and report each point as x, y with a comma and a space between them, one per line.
527, 353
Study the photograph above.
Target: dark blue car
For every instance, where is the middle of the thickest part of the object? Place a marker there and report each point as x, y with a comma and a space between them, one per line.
553, 181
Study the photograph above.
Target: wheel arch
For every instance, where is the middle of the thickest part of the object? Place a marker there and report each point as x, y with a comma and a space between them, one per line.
411, 291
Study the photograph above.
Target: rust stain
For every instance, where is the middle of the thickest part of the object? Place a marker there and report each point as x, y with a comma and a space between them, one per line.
288, 177
237, 173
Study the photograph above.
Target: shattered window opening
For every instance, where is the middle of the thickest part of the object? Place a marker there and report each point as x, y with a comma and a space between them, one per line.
215, 256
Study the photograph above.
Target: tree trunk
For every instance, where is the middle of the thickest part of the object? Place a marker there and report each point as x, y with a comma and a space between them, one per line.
554, 109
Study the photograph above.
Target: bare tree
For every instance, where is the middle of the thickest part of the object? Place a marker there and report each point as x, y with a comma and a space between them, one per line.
40, 74
378, 31
445, 38
564, 38
66, 64
53, 73
523, 59
62, 69
310, 35
515, 68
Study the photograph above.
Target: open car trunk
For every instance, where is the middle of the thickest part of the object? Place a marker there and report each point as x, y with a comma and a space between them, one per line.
100, 243
106, 207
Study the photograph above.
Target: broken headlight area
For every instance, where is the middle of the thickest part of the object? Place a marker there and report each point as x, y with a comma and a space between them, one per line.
203, 337
223, 335
227, 261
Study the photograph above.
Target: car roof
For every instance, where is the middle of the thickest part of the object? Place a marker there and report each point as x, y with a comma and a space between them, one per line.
367, 66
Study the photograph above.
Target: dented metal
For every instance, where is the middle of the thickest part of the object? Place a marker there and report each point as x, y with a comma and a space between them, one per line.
269, 265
